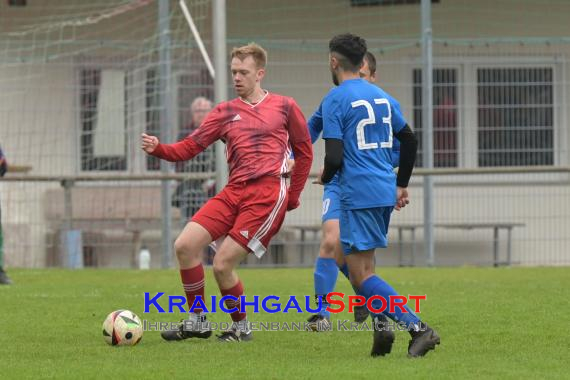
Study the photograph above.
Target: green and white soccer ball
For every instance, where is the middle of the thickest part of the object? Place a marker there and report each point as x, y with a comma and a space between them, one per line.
122, 328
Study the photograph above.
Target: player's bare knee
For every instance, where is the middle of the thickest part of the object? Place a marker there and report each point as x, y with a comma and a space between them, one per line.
221, 267
328, 247
179, 247
221, 263
218, 267
184, 249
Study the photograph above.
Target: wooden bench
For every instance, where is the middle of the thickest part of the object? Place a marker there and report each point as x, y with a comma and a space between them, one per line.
495, 227
132, 209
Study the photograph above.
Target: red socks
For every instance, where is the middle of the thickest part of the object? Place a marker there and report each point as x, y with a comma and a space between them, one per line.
236, 291
193, 283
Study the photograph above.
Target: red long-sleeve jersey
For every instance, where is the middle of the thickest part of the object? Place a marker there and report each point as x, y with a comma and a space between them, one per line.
258, 139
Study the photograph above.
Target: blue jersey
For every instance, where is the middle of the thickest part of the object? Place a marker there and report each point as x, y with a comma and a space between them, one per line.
315, 125
364, 117
395, 142
395, 153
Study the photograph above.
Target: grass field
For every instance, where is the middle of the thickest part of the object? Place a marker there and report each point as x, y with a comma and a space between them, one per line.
494, 323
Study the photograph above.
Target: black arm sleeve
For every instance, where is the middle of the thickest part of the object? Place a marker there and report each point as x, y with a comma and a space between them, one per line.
408, 150
334, 150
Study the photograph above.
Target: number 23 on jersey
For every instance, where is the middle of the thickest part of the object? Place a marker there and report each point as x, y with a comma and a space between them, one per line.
371, 120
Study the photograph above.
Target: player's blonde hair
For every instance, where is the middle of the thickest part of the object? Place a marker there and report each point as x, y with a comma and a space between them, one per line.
252, 49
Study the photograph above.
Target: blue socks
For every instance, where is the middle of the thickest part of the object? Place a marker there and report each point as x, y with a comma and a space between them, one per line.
374, 285
326, 273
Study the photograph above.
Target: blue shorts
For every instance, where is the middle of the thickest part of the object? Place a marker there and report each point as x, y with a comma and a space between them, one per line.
331, 202
364, 229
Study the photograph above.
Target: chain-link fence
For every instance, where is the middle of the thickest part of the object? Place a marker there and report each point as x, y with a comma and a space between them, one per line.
81, 82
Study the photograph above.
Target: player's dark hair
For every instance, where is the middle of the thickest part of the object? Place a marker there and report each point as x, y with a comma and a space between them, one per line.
371, 59
349, 50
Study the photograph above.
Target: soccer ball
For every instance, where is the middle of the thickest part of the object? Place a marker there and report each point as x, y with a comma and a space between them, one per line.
122, 328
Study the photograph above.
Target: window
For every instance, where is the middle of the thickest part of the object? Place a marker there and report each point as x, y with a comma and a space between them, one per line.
188, 86
515, 116
103, 119
191, 86
445, 117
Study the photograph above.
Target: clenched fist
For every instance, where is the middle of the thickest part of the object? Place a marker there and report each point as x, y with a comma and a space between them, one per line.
149, 143
402, 198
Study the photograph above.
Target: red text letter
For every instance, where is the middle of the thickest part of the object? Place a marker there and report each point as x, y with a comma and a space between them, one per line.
355, 301
398, 301
339, 303
371, 308
417, 303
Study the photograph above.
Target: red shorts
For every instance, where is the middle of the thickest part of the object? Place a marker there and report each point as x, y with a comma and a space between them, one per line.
250, 212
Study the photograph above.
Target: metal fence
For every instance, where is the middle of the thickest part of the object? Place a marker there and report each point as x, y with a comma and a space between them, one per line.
82, 81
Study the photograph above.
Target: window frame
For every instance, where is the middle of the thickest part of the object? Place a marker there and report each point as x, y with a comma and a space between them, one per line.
467, 131
175, 85
557, 88
131, 95
460, 86
136, 109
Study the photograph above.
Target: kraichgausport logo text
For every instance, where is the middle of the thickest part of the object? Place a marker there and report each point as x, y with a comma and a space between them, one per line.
334, 301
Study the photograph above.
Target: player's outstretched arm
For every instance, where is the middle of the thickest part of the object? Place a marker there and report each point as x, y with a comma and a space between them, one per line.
180, 151
208, 132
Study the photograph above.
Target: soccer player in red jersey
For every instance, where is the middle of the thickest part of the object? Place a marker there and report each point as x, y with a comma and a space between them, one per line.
260, 129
